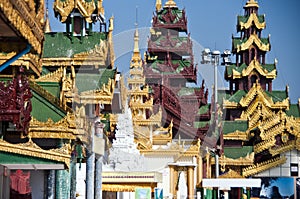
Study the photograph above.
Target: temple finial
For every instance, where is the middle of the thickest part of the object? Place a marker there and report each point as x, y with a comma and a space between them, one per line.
170, 3
158, 5
251, 3
47, 27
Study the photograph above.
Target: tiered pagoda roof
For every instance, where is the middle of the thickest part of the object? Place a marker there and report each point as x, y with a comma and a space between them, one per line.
260, 123
169, 66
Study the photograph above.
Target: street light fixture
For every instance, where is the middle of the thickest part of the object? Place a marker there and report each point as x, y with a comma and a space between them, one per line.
213, 57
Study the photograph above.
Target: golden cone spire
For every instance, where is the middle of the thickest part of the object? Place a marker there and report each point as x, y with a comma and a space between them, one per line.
47, 27
158, 5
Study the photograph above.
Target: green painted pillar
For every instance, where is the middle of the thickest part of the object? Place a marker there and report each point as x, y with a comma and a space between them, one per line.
51, 185
209, 194
62, 190
73, 178
215, 195
62, 181
248, 193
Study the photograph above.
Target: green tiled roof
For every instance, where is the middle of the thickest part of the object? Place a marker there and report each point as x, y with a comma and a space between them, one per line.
204, 109
232, 126
184, 91
177, 40
181, 65
293, 111
60, 44
239, 41
230, 68
244, 19
201, 124
277, 96
237, 96
175, 11
237, 152
45, 71
87, 82
42, 109
223, 94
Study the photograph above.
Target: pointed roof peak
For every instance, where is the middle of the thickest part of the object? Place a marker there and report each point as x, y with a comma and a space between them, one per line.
251, 3
47, 27
158, 5
170, 3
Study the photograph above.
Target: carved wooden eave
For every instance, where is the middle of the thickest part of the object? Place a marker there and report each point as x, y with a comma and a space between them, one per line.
263, 166
242, 161
257, 92
253, 39
229, 105
276, 130
288, 146
231, 174
126, 187
73, 61
66, 128
142, 105
293, 125
28, 60
28, 21
100, 96
237, 135
253, 19
62, 154
254, 66
138, 91
55, 76
264, 145
163, 136
86, 8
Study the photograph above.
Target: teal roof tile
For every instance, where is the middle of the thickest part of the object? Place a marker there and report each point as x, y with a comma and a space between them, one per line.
63, 45
237, 152
87, 82
232, 126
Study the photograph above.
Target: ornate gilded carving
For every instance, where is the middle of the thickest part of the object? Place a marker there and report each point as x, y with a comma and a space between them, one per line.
100, 96
253, 19
231, 174
67, 128
254, 65
264, 145
55, 76
99, 53
253, 39
237, 135
259, 167
242, 161
62, 154
289, 145
28, 24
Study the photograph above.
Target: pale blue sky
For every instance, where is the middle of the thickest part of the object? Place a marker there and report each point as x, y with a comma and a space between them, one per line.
211, 24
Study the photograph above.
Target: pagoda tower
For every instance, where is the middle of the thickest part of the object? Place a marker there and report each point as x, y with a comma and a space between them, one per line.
169, 66
260, 130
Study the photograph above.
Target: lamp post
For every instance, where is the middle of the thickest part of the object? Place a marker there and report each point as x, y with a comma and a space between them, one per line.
213, 58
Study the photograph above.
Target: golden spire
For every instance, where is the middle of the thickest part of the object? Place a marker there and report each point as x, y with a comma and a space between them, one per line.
170, 3
47, 27
158, 5
251, 3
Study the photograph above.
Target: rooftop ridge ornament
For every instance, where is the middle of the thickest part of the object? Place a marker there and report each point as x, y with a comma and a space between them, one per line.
251, 3
170, 3
158, 5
